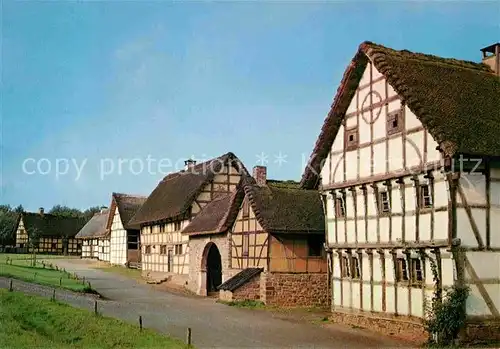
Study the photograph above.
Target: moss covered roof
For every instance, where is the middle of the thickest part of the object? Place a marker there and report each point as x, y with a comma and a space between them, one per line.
49, 225
457, 101
282, 207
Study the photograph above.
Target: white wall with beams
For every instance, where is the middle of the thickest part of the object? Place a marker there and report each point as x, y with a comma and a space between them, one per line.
103, 251
118, 240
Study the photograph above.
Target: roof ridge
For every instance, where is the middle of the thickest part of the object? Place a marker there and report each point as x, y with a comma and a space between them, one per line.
419, 56
129, 195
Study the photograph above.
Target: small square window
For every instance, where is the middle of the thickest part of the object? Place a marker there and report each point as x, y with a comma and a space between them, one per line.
151, 229
163, 249
425, 196
340, 207
315, 246
351, 138
162, 228
384, 203
177, 226
178, 249
147, 250
394, 122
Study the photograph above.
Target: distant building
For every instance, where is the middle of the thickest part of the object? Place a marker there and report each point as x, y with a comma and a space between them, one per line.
48, 233
94, 237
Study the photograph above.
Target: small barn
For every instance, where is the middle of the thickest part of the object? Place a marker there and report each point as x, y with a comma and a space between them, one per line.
94, 237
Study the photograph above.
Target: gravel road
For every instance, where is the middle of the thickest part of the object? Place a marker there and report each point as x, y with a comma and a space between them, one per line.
213, 325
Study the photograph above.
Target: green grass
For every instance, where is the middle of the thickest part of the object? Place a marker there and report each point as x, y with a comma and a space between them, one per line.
21, 269
34, 322
244, 304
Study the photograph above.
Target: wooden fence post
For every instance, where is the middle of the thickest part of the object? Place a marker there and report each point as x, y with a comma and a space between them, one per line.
54, 295
188, 336
10, 286
140, 323
60, 281
95, 307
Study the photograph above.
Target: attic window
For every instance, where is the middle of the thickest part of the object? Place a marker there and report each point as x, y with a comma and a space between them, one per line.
177, 226
351, 138
394, 122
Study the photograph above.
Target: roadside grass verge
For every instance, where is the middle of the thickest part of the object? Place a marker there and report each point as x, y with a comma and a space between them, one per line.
34, 322
251, 304
19, 267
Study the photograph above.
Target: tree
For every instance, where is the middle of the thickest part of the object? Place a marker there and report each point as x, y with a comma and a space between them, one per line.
65, 211
33, 241
89, 213
19, 209
8, 221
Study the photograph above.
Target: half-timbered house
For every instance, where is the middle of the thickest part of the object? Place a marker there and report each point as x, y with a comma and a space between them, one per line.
124, 238
48, 233
178, 198
264, 241
407, 164
94, 237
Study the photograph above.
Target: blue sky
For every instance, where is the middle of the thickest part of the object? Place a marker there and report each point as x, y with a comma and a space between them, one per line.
87, 81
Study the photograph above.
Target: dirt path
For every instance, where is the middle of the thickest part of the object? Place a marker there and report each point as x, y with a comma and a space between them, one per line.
213, 325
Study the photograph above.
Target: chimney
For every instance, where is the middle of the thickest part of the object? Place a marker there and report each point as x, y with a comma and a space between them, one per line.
189, 163
491, 57
260, 175
41, 211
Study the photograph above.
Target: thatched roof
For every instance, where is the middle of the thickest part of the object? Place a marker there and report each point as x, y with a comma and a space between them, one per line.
95, 227
457, 101
175, 194
49, 225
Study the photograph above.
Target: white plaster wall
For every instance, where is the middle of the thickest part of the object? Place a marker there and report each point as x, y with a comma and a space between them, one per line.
118, 243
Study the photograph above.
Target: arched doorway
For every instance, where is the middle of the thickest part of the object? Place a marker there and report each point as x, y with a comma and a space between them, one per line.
213, 268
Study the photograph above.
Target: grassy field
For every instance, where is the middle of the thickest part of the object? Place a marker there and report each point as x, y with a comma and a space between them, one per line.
21, 269
33, 322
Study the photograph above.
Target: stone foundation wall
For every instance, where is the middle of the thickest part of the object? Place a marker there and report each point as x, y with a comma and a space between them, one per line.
294, 290
197, 275
486, 330
250, 290
401, 326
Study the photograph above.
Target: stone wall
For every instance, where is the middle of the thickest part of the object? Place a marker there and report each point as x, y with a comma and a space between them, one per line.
294, 290
197, 274
399, 326
250, 290
482, 330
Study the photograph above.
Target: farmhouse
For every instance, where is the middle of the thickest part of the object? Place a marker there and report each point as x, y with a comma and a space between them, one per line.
124, 237
178, 198
92, 233
407, 165
263, 241
48, 233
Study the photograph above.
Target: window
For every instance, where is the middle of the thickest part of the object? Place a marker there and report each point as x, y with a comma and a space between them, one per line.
148, 249
246, 243
245, 210
163, 249
178, 249
339, 207
315, 246
351, 138
401, 270
416, 270
151, 229
384, 204
356, 274
394, 122
345, 272
425, 196
177, 226
54, 245
162, 228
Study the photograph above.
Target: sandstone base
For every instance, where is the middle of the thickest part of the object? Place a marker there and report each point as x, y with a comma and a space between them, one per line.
400, 326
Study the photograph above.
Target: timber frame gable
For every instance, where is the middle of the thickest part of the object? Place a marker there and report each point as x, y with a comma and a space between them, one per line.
409, 179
